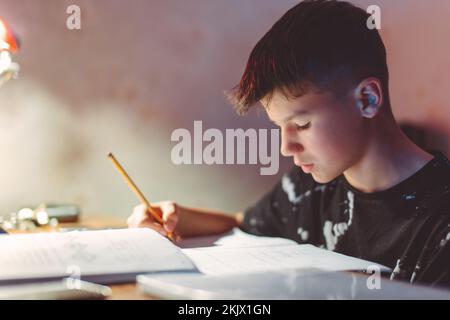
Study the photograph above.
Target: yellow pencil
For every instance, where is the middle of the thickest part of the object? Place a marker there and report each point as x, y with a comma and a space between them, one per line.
138, 192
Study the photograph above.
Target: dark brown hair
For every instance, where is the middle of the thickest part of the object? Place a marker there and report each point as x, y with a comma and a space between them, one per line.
322, 44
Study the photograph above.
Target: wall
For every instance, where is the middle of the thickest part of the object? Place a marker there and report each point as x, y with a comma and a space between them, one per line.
139, 69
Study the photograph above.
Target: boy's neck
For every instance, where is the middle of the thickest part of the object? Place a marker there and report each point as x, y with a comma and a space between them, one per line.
390, 158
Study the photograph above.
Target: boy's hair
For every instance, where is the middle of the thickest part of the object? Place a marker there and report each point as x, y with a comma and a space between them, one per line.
318, 44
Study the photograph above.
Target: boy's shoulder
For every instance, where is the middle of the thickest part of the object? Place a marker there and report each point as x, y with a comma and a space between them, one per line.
438, 176
441, 164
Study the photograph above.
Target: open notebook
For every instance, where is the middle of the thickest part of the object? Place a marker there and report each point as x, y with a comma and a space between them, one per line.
109, 256
105, 256
238, 252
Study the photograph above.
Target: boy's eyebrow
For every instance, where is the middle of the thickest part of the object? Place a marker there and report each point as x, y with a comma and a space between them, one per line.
295, 114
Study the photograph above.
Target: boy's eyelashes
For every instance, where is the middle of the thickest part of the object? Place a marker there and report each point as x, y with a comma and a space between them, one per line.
303, 127
296, 125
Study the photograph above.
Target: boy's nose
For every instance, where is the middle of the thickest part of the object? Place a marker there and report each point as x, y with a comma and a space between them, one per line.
289, 146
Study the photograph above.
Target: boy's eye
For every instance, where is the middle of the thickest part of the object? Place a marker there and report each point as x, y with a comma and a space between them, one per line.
303, 127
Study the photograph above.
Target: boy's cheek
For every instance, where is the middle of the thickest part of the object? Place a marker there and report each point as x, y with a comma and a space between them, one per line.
331, 156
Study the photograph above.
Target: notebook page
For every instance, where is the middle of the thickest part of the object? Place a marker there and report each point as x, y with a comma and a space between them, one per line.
224, 260
101, 252
234, 238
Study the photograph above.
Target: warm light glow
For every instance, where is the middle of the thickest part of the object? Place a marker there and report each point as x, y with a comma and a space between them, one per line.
3, 30
7, 40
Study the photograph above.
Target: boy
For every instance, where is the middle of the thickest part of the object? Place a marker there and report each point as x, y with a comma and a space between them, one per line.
364, 189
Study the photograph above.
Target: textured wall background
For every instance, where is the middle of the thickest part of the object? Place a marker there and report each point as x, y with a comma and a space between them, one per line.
139, 69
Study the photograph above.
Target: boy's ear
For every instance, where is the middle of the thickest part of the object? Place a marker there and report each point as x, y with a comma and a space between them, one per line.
369, 97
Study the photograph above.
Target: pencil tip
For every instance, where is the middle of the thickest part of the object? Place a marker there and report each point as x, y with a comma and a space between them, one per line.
109, 155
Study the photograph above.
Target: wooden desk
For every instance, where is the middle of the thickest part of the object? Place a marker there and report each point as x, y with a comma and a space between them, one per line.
128, 291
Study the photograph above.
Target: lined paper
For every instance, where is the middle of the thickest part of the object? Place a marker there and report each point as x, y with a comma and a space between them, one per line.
120, 251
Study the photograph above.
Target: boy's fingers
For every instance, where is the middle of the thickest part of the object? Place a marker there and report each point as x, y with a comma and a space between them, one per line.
168, 209
138, 213
145, 213
156, 208
169, 215
130, 221
139, 209
155, 226
141, 217
170, 222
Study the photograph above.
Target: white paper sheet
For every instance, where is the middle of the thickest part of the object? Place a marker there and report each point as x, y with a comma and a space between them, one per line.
224, 260
234, 238
86, 253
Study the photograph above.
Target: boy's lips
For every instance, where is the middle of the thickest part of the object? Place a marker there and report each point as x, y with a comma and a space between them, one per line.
306, 167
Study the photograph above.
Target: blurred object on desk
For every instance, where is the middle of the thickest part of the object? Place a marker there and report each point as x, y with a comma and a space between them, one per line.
63, 212
46, 215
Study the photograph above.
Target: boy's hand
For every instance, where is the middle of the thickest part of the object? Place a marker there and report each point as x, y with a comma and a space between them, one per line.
142, 218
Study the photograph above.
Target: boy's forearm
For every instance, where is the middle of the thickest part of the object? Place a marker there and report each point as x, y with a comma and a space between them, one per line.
200, 222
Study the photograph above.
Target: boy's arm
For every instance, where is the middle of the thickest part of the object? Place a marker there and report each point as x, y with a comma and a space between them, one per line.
200, 222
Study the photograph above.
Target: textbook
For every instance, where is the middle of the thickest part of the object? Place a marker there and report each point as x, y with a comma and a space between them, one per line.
119, 255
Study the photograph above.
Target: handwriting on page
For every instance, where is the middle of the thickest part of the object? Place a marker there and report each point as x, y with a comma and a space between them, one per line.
224, 260
218, 260
94, 252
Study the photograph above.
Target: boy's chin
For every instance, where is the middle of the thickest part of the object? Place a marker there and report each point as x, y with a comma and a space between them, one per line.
323, 178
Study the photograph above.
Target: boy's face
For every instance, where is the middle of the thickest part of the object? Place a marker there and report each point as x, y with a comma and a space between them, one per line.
324, 134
